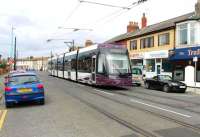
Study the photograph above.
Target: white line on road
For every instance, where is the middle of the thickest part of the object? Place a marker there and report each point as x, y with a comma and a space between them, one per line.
111, 94
188, 116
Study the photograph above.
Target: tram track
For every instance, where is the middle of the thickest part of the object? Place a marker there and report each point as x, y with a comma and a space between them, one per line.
117, 119
181, 123
153, 101
129, 125
167, 97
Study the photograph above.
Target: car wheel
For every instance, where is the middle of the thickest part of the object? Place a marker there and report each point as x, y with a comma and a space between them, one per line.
166, 88
9, 105
183, 91
147, 86
42, 102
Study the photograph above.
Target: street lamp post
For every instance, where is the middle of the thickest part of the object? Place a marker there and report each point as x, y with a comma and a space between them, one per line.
15, 54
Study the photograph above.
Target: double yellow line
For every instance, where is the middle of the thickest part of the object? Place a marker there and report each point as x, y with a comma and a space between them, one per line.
2, 112
2, 117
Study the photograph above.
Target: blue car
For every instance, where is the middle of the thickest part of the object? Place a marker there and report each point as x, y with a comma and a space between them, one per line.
23, 87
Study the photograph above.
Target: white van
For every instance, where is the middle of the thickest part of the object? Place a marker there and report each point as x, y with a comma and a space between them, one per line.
137, 76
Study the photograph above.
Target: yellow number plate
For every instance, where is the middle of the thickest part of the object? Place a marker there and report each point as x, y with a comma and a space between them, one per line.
25, 90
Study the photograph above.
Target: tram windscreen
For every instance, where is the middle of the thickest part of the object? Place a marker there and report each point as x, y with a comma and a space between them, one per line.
118, 63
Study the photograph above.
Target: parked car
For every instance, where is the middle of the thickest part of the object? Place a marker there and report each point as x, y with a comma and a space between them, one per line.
137, 76
165, 83
6, 78
23, 87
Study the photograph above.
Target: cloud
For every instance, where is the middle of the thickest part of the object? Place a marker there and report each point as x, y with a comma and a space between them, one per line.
19, 21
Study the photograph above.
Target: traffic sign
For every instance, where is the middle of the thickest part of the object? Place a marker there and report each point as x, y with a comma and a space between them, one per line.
195, 59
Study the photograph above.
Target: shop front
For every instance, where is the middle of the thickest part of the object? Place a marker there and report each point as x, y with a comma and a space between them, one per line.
156, 62
137, 60
183, 65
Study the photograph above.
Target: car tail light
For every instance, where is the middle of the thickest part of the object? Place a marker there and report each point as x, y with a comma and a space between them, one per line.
7, 89
40, 86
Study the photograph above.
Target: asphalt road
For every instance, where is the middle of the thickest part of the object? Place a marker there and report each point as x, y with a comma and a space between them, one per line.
76, 110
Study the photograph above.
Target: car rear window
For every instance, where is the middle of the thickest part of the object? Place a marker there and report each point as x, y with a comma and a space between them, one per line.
23, 79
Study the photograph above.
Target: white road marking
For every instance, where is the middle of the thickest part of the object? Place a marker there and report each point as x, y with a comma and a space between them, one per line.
111, 94
177, 113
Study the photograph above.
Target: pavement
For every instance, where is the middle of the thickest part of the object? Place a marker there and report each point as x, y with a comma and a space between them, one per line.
77, 110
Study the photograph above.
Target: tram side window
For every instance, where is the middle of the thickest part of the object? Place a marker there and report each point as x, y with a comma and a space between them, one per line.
67, 65
54, 64
101, 63
49, 65
60, 64
73, 64
85, 64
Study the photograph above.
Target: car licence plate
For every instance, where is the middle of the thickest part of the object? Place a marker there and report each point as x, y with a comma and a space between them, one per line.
25, 90
182, 87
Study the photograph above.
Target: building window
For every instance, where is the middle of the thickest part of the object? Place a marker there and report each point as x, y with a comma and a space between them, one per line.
183, 34
147, 42
187, 33
193, 33
133, 45
150, 65
163, 39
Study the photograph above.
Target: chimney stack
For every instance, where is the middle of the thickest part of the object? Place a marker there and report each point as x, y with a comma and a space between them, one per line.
132, 26
144, 21
197, 8
88, 43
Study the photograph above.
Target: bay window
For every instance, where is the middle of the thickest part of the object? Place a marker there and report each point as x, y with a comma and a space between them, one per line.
187, 33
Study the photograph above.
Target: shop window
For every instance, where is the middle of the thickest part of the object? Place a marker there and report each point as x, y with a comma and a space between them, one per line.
198, 72
147, 42
163, 39
150, 65
166, 65
133, 45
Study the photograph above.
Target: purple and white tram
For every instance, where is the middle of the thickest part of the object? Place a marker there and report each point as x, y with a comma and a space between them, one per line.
102, 64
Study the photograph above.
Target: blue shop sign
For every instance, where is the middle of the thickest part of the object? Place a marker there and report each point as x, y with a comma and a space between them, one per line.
184, 53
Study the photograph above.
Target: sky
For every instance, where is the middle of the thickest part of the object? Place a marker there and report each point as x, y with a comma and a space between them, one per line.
36, 21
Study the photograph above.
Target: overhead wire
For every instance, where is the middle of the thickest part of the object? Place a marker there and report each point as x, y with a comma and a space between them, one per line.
68, 17
103, 4
119, 14
72, 12
114, 15
108, 17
